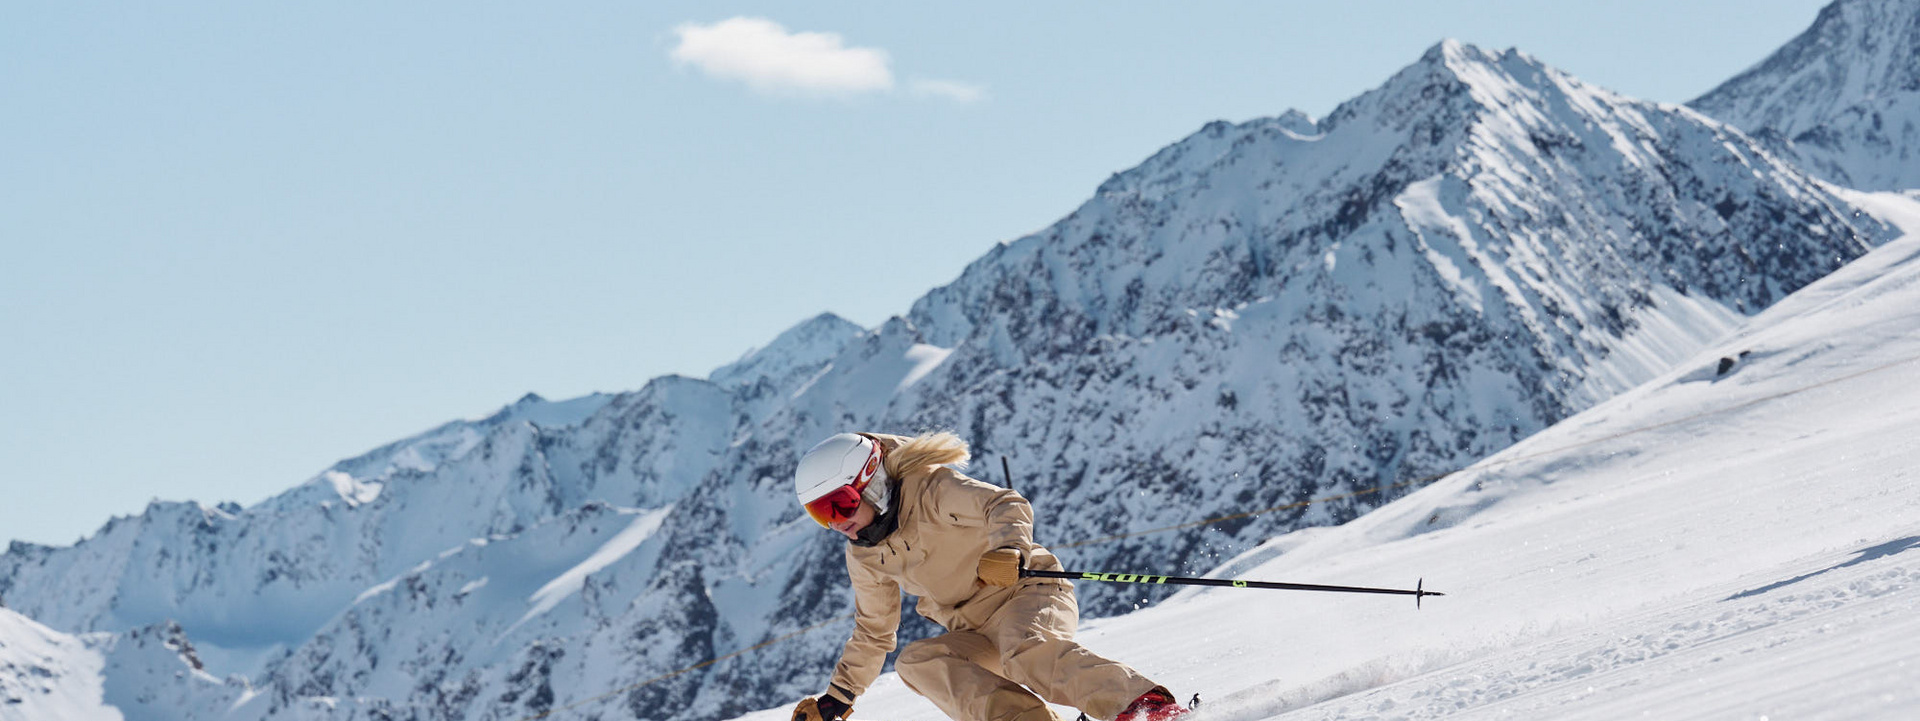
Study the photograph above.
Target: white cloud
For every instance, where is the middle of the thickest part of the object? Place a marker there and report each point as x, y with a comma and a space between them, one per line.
954, 90
769, 59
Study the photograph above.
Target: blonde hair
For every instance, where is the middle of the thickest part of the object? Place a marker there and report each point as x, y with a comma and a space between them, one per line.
920, 453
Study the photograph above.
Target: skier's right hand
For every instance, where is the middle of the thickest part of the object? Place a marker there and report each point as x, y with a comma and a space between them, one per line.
1000, 567
824, 708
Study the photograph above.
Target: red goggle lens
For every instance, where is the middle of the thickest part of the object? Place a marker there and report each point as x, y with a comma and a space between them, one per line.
838, 505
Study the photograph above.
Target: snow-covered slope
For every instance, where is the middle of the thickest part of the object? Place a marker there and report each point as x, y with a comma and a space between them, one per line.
45, 674
1842, 99
1738, 544
1451, 262
1259, 314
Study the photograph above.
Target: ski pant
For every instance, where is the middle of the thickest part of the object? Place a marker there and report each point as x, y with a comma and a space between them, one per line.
978, 674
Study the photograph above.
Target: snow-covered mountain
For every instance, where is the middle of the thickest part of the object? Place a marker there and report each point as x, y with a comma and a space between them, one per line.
139, 674
1257, 315
1451, 262
1842, 99
1711, 545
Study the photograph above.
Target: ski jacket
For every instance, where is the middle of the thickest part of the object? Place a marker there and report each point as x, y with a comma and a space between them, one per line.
946, 522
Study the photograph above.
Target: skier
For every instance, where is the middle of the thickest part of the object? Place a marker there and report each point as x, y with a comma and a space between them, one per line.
914, 523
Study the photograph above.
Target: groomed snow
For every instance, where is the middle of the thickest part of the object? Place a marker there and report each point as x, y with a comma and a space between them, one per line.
1742, 545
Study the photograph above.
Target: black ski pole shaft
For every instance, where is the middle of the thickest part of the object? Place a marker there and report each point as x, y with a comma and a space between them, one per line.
1417, 592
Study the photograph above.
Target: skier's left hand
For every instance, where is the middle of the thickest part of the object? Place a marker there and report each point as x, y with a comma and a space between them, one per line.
1000, 567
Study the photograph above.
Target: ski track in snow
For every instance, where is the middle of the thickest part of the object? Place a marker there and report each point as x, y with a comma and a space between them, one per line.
1780, 657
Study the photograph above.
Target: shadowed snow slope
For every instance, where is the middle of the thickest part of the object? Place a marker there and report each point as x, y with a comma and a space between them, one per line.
1738, 544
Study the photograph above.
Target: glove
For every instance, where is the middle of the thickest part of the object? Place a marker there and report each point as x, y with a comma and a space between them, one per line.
1000, 567
824, 708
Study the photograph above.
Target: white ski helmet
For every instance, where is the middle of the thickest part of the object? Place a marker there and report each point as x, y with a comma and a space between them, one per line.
845, 459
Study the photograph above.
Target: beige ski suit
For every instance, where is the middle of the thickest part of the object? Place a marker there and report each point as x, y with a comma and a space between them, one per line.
998, 639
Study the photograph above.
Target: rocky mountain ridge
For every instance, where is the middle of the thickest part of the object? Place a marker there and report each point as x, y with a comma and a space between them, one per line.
1841, 100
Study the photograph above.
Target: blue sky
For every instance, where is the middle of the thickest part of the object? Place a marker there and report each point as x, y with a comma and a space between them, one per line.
243, 241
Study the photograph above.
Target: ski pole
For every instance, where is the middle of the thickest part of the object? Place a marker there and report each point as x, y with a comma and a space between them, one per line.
1418, 592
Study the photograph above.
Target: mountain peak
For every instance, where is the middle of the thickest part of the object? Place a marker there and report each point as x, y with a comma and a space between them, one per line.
1453, 80
808, 344
1464, 58
1463, 143
1840, 99
536, 409
1449, 50
1855, 50
1298, 122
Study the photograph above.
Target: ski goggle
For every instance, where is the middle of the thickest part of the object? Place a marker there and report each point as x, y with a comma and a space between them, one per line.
841, 503
836, 507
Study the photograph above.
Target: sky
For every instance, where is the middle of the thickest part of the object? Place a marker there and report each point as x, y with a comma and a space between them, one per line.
240, 242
